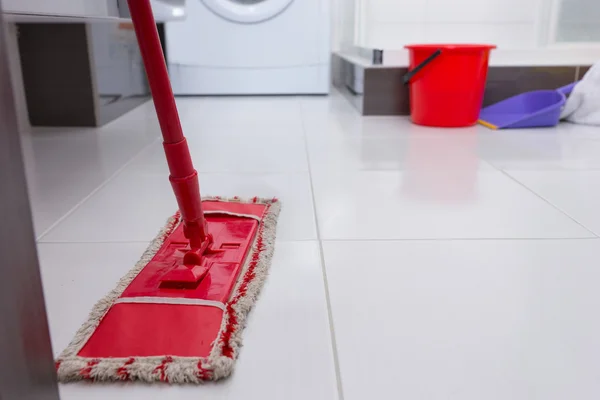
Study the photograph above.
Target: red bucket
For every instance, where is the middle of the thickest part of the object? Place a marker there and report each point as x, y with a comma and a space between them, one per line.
447, 82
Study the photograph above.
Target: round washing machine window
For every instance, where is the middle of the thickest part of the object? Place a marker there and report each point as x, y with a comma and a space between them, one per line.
247, 11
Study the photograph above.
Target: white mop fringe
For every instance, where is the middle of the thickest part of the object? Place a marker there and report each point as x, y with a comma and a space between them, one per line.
178, 370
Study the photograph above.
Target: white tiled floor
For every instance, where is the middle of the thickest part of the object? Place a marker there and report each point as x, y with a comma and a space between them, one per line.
411, 262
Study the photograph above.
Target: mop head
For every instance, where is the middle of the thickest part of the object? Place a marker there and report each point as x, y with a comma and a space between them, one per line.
144, 331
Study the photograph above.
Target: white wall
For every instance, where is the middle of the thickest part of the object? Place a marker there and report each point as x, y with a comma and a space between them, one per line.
390, 24
343, 22
576, 21
510, 24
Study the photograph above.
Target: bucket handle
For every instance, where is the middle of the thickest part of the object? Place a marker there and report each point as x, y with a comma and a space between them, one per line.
408, 76
566, 90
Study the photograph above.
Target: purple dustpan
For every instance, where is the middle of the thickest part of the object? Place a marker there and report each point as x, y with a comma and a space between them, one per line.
527, 110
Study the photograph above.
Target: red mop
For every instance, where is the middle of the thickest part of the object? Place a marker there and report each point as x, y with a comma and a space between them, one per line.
178, 316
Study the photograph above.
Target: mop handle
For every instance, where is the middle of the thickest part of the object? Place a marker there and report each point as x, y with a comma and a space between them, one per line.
156, 70
183, 176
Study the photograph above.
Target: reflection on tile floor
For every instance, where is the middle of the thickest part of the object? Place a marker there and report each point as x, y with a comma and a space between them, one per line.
479, 319
459, 263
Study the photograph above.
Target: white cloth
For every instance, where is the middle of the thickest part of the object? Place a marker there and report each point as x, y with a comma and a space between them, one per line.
583, 105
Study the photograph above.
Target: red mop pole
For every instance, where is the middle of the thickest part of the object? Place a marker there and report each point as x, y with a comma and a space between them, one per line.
183, 176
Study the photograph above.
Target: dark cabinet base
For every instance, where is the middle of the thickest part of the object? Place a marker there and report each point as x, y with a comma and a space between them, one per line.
81, 74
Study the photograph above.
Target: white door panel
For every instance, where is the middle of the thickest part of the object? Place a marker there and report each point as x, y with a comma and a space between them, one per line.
247, 11
209, 40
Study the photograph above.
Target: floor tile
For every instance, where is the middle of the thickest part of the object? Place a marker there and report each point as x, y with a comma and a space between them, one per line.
140, 119
239, 112
564, 130
565, 147
342, 125
577, 193
54, 195
319, 108
76, 276
259, 152
337, 118
466, 320
454, 319
393, 151
287, 348
135, 205
63, 166
433, 204
234, 130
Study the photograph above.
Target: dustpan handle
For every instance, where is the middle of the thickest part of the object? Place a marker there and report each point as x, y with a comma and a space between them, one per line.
408, 76
566, 90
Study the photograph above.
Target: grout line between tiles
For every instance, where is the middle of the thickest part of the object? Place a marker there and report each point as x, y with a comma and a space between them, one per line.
359, 240
539, 196
250, 173
461, 239
100, 242
334, 349
149, 241
93, 192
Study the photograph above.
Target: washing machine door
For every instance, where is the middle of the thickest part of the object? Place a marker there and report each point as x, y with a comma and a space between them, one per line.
247, 11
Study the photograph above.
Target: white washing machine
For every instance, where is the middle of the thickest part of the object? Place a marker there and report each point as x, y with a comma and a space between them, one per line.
250, 47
